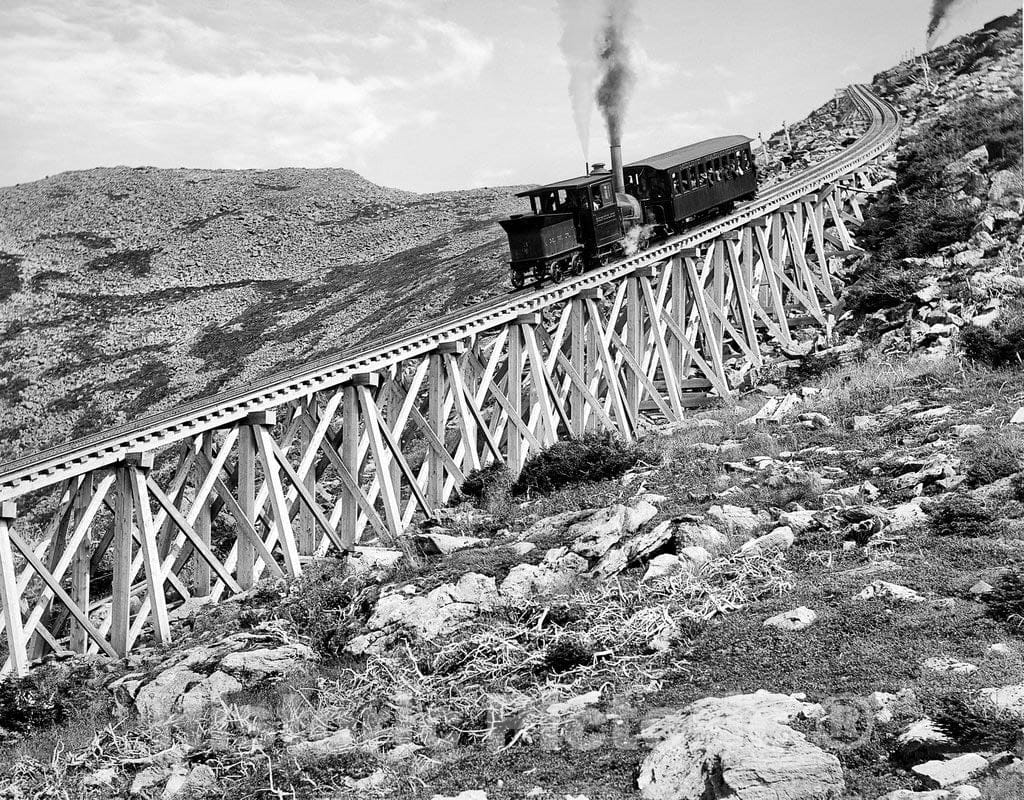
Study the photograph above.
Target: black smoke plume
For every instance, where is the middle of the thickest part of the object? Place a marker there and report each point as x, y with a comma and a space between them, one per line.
940, 8
617, 75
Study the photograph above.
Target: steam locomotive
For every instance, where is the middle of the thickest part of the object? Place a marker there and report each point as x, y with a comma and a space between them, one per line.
601, 216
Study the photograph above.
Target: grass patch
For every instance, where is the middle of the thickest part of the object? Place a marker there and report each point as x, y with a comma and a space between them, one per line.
991, 457
959, 515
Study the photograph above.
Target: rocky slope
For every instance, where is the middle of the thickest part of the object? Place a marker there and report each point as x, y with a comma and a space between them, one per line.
816, 592
124, 291
127, 291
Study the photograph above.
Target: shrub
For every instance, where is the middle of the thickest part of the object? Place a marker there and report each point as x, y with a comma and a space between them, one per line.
485, 486
593, 457
48, 695
1006, 601
974, 724
322, 605
882, 283
1001, 345
958, 515
1017, 484
989, 458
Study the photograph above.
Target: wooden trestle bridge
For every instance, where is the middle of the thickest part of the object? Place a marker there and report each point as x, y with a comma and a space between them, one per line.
350, 449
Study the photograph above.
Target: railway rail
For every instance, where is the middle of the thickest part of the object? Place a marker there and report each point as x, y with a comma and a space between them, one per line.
488, 383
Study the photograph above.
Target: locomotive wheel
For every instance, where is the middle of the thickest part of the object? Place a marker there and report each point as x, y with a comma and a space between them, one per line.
518, 279
576, 265
556, 272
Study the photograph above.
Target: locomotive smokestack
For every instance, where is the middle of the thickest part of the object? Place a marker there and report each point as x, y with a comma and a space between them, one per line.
618, 179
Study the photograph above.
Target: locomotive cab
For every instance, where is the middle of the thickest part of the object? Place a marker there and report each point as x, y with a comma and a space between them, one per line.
573, 223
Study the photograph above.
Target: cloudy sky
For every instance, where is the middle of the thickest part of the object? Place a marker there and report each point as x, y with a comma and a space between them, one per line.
418, 94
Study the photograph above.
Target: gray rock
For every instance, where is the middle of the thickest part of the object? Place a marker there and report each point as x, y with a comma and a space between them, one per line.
268, 661
1006, 699
662, 566
886, 589
1005, 185
443, 543
956, 770
208, 694
340, 741
947, 664
438, 612
525, 582
798, 521
632, 550
735, 519
190, 784
596, 535
693, 534
794, 620
158, 699
781, 538
101, 777
910, 794
738, 746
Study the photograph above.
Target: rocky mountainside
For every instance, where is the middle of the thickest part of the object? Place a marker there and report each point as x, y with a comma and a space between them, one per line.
125, 291
813, 593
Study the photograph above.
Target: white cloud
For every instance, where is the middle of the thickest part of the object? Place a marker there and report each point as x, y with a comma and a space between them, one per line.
120, 82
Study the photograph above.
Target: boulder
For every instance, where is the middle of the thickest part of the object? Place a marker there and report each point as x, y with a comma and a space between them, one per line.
955, 770
527, 581
444, 543
886, 589
947, 664
1008, 700
798, 521
794, 620
267, 662
597, 534
157, 700
781, 538
735, 519
906, 516
431, 615
662, 566
190, 784
700, 535
208, 694
574, 704
1005, 184
373, 558
910, 794
101, 777
340, 741
632, 550
738, 746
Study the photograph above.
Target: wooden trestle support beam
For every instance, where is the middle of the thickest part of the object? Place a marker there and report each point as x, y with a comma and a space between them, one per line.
130, 545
